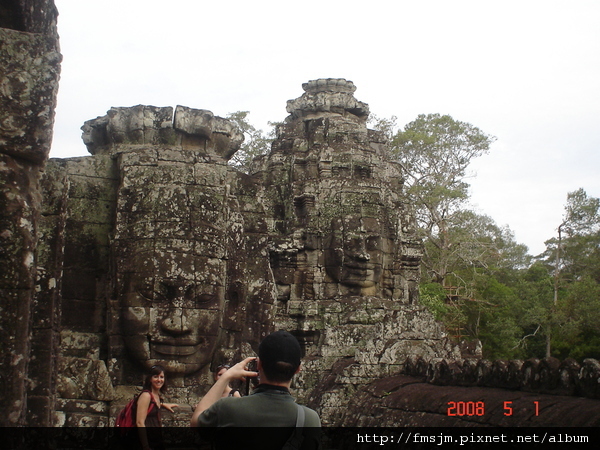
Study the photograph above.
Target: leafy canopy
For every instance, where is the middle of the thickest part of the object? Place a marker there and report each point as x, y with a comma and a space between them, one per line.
435, 151
256, 142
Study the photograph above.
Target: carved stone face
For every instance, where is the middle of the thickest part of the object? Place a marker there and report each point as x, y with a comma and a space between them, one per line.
173, 322
354, 251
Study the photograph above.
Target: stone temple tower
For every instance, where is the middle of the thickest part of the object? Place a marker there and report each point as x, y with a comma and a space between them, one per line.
343, 248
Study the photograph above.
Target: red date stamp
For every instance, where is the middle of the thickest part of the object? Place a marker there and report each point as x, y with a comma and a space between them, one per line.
478, 408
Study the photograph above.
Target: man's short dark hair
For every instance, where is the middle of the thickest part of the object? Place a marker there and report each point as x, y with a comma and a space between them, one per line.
279, 355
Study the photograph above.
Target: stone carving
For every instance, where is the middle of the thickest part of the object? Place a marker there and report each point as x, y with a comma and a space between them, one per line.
156, 237
186, 262
336, 202
154, 250
171, 234
354, 252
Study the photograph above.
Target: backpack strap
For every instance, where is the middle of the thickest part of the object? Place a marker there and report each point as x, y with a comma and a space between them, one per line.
294, 442
300, 418
152, 402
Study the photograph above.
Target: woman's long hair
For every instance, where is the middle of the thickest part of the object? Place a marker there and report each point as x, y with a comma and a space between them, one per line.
154, 370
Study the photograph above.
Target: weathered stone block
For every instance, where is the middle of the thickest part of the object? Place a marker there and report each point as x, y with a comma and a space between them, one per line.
79, 285
84, 419
568, 374
137, 156
85, 246
589, 378
137, 125
29, 88
91, 187
224, 137
81, 378
81, 345
42, 368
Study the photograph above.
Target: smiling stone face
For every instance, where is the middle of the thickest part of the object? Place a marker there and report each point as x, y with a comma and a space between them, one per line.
354, 252
171, 245
340, 223
171, 322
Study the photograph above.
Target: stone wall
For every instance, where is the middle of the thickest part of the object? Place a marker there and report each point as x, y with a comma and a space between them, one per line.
30, 65
546, 376
476, 392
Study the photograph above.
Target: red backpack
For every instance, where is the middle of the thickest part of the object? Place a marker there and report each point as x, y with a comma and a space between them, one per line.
127, 416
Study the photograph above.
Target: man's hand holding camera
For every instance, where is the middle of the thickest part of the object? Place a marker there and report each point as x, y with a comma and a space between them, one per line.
237, 372
241, 370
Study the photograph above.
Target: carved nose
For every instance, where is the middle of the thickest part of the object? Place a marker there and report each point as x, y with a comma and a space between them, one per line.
361, 253
174, 324
363, 256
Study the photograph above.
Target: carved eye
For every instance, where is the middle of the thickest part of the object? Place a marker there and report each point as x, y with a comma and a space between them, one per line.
146, 294
152, 296
202, 299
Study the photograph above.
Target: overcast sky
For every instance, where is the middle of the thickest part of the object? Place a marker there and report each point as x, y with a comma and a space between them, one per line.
525, 71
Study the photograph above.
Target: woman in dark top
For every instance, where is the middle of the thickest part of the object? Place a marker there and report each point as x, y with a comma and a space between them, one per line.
148, 409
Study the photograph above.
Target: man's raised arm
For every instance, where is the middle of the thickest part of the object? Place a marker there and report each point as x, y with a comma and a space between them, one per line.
236, 372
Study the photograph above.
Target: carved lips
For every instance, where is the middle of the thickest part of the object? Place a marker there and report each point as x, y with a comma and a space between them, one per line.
173, 348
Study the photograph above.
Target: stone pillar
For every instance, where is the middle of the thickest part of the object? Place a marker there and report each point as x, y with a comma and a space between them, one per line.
29, 63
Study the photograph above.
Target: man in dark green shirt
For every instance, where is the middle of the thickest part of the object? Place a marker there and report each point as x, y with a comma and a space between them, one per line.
270, 405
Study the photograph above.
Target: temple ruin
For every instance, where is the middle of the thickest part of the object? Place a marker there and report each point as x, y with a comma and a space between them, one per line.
153, 249
179, 259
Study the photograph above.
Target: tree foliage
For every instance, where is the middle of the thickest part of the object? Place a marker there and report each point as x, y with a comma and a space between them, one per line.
256, 142
572, 259
389, 127
435, 151
557, 300
476, 278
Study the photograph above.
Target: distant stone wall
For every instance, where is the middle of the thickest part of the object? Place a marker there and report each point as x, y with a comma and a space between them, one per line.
29, 72
547, 375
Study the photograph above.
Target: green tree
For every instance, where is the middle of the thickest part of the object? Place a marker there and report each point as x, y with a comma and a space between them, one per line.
435, 152
534, 287
465, 251
476, 244
575, 250
256, 142
479, 300
491, 317
573, 257
389, 127
485, 261
477, 279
